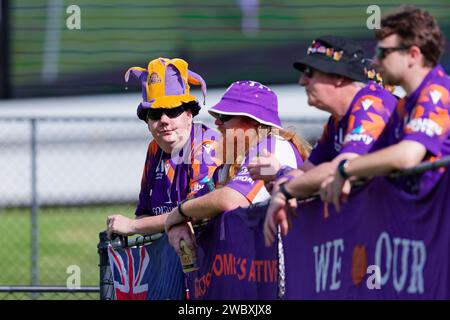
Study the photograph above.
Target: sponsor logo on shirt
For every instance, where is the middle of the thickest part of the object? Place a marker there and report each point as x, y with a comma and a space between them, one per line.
196, 187
427, 126
244, 176
161, 210
159, 171
358, 135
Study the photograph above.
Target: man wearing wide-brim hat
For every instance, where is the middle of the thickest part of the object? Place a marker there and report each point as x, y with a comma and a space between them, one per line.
333, 75
410, 45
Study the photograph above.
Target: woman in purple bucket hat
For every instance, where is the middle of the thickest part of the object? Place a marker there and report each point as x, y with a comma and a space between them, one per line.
247, 116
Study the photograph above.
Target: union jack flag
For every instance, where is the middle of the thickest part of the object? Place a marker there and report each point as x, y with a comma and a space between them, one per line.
150, 272
130, 285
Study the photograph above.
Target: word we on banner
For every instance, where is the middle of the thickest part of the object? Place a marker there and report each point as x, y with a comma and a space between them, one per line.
384, 244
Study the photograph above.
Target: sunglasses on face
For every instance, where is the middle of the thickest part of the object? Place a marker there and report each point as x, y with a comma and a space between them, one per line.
156, 114
309, 72
223, 117
381, 52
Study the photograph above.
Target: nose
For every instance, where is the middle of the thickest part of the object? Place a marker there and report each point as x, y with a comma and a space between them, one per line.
164, 118
217, 122
303, 81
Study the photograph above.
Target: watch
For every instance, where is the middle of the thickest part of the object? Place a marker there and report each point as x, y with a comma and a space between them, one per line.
285, 192
341, 169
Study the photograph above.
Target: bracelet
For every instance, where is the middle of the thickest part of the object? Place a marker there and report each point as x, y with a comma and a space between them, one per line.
285, 192
180, 211
341, 169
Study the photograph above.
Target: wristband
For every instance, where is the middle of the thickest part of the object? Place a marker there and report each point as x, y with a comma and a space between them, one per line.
180, 211
285, 192
341, 169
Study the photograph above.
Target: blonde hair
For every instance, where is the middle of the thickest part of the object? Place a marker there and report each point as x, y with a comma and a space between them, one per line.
300, 144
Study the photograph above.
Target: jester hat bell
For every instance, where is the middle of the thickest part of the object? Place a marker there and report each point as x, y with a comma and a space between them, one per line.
165, 85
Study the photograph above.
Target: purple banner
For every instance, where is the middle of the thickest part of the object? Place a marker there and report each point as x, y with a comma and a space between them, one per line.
385, 244
233, 261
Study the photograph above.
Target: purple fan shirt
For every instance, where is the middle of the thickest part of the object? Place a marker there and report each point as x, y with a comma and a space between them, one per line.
358, 131
168, 180
423, 117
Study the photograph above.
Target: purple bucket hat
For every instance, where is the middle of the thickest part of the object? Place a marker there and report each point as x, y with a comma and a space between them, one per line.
251, 99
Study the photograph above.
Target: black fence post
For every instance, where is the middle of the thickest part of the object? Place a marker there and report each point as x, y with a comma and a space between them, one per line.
5, 90
106, 276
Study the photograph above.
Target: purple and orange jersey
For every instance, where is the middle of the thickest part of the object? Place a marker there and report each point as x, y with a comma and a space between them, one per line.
254, 190
168, 179
359, 129
424, 117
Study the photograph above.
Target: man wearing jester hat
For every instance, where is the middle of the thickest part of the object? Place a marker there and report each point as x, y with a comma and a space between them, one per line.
180, 161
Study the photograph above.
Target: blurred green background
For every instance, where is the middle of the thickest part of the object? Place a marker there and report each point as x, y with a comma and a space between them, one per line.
210, 35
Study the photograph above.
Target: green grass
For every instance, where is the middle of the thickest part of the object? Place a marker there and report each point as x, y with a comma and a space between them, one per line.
66, 236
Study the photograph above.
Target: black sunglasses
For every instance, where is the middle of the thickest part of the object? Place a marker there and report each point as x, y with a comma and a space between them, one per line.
156, 114
309, 72
223, 117
381, 52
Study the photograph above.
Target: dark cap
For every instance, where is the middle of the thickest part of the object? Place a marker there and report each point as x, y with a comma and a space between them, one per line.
336, 55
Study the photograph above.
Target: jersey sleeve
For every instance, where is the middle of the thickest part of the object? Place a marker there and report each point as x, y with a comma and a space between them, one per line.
429, 123
369, 116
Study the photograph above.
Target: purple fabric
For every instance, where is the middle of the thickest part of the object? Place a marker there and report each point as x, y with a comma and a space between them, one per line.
236, 266
202, 83
166, 181
359, 129
174, 84
142, 75
423, 117
252, 99
405, 236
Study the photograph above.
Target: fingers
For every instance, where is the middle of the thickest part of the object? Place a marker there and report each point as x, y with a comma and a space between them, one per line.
268, 235
324, 191
284, 225
346, 191
336, 202
110, 226
180, 232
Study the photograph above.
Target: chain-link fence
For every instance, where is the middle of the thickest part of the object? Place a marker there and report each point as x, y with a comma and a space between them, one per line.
60, 178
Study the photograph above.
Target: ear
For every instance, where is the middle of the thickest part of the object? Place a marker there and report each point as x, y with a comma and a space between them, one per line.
416, 55
340, 81
189, 114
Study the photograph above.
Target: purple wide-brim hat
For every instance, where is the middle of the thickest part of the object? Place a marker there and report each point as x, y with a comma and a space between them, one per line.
251, 99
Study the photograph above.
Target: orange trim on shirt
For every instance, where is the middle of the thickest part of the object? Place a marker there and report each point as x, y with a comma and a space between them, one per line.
252, 194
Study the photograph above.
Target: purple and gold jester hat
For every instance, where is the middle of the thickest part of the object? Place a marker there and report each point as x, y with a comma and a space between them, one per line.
165, 84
